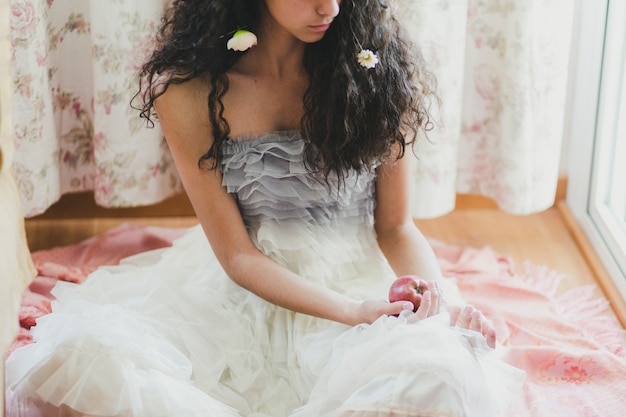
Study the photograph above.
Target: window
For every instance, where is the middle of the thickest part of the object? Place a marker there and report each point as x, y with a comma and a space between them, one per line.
597, 161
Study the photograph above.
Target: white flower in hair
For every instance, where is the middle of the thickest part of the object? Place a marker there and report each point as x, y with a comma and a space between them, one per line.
367, 58
241, 40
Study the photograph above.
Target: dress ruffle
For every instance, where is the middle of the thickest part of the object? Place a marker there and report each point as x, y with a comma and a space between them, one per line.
269, 179
167, 333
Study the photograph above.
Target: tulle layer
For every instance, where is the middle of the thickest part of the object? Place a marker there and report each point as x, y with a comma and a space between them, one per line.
168, 329
392, 368
167, 333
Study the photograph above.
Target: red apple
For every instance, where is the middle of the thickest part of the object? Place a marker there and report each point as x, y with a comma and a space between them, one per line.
408, 288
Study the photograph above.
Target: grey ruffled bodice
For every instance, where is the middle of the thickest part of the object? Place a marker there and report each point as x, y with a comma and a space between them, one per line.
268, 178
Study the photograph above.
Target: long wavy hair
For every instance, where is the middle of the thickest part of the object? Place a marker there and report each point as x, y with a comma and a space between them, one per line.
353, 116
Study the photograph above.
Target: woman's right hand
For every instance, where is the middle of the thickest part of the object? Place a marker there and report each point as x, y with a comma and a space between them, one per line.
369, 311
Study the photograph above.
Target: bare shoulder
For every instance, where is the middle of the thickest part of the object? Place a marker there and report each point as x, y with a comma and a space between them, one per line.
183, 113
192, 92
186, 102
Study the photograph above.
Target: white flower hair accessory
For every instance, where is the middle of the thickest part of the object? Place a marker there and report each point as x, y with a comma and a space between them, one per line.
367, 59
242, 40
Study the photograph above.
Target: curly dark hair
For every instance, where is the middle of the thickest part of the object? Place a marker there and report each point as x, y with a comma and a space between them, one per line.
353, 115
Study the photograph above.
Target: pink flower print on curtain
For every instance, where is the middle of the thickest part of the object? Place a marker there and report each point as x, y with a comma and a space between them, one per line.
502, 78
74, 77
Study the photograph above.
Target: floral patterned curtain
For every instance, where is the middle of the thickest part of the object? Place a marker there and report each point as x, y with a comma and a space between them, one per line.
75, 73
501, 68
17, 269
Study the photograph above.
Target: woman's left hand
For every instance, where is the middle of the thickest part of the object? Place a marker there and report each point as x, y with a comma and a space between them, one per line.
463, 316
469, 317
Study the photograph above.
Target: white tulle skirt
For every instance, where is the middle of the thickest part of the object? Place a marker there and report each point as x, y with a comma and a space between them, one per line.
167, 333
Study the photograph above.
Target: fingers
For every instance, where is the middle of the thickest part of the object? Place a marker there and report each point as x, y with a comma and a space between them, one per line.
465, 317
431, 303
398, 307
455, 312
470, 318
431, 300
436, 296
426, 307
491, 337
476, 323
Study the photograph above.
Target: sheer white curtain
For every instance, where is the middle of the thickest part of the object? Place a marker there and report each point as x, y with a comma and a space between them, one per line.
502, 72
501, 66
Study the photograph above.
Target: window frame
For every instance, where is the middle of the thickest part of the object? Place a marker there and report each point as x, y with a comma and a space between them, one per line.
590, 108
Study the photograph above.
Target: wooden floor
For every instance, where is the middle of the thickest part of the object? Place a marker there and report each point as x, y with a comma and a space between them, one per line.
543, 238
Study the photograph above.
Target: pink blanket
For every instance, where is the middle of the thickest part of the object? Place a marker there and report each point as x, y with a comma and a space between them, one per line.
573, 354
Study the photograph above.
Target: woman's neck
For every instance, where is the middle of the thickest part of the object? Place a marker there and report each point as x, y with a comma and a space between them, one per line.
278, 54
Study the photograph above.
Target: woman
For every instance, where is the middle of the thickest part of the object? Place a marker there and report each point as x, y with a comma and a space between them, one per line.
289, 122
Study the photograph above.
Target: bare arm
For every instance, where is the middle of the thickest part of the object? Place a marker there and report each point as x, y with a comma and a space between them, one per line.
183, 113
406, 248
404, 245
